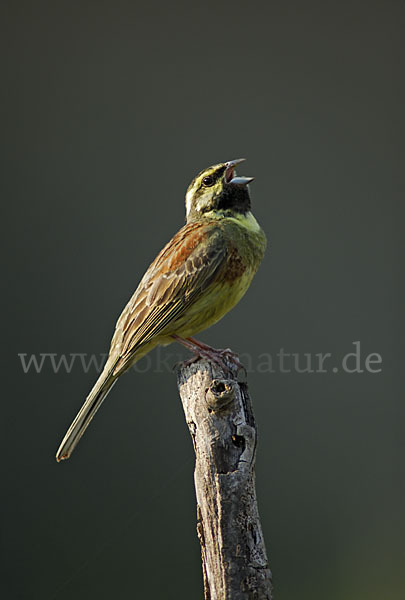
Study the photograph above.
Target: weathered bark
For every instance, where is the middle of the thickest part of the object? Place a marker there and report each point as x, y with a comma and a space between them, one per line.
220, 418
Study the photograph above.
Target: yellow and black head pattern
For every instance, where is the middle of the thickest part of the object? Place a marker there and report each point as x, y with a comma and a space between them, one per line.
217, 191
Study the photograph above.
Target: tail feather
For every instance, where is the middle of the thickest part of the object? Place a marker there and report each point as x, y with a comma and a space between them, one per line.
83, 418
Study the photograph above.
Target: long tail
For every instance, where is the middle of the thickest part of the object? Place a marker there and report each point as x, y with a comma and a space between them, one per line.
85, 414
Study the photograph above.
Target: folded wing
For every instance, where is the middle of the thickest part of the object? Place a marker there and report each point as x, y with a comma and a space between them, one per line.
180, 274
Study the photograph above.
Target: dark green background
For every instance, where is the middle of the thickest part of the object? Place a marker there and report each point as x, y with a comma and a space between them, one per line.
110, 108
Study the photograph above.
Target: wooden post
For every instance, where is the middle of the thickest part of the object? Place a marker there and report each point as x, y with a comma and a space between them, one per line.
220, 418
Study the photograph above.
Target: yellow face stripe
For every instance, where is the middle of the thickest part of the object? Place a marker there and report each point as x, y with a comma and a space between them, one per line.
197, 183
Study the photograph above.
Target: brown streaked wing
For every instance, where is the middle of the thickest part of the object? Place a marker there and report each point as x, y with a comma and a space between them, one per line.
174, 281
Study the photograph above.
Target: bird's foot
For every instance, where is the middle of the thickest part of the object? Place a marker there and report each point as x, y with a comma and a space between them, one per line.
217, 356
232, 357
226, 353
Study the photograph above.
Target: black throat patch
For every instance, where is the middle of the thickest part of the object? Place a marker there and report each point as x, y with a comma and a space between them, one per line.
234, 197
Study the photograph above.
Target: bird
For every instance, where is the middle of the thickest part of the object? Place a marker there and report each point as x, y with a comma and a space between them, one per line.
198, 277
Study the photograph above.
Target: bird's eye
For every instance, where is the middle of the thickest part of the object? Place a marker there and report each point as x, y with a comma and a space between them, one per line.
207, 181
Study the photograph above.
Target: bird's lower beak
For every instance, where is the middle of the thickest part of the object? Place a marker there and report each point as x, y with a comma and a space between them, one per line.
229, 174
241, 180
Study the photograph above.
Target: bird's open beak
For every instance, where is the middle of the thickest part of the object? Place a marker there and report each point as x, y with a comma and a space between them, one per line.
229, 175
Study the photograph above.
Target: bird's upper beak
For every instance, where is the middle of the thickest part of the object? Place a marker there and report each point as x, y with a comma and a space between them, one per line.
229, 175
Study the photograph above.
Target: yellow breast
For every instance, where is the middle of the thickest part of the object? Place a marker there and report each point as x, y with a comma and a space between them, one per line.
246, 244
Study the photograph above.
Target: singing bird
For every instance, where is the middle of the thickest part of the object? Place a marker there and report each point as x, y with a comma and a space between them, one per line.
198, 277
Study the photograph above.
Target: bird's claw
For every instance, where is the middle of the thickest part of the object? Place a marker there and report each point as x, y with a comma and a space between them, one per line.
217, 356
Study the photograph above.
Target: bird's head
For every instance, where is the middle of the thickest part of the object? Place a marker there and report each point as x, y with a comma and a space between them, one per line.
217, 192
